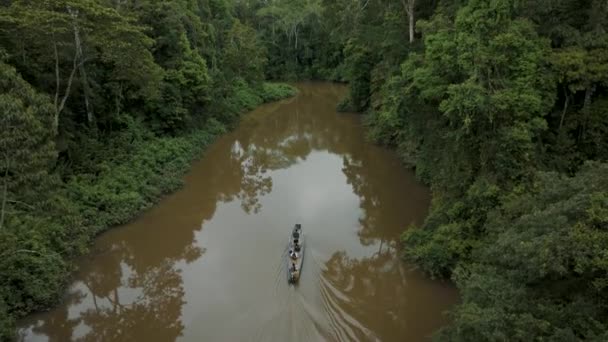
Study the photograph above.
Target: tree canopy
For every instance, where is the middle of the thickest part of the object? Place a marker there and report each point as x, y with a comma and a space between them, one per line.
501, 106
102, 106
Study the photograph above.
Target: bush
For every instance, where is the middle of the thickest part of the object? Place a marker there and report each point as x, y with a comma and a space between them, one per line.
277, 91
345, 105
541, 271
453, 230
243, 97
7, 322
116, 177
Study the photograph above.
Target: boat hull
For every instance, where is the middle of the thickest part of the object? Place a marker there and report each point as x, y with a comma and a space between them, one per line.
294, 275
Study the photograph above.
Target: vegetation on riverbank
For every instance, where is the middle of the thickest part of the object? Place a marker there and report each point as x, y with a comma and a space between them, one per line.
500, 106
103, 107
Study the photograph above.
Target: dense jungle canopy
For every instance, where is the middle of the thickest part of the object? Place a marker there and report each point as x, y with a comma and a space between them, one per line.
501, 106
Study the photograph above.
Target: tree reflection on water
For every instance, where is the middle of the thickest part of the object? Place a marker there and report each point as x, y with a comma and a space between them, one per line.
115, 299
378, 297
133, 288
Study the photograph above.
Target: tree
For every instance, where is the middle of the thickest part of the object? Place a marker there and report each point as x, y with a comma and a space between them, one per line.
28, 149
66, 36
186, 82
541, 272
497, 109
286, 27
242, 55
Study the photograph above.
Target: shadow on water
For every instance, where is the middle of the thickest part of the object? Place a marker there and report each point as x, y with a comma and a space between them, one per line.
208, 262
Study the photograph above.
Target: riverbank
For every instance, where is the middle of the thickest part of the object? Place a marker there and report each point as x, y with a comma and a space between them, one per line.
209, 257
126, 173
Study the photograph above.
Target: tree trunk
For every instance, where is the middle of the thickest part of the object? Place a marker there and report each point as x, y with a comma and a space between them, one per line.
561, 120
23, 54
59, 109
296, 50
5, 192
4, 195
60, 105
589, 90
57, 85
82, 71
119, 99
409, 7
411, 19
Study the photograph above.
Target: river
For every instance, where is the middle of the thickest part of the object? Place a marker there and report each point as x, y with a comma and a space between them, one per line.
207, 262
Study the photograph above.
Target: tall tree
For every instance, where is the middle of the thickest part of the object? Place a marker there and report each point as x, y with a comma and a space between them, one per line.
67, 36
410, 6
26, 141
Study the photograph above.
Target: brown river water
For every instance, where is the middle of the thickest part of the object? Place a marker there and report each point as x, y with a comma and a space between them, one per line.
208, 262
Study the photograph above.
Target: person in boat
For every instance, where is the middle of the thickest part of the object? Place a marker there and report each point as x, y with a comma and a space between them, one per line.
296, 236
293, 267
296, 248
293, 254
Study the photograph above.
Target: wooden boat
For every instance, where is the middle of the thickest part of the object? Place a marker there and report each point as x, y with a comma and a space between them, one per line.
295, 254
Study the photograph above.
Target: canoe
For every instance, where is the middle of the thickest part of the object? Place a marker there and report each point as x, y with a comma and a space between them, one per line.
295, 262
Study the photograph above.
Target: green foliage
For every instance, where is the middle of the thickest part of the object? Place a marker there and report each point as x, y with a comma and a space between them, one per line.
122, 185
124, 173
277, 91
103, 105
541, 271
183, 89
452, 231
295, 38
186, 82
245, 97
69, 50
130, 175
6, 322
494, 103
495, 107
242, 55
360, 62
31, 263
346, 105
27, 139
492, 93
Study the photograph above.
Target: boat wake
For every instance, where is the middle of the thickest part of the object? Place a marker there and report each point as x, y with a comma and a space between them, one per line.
344, 326
294, 316
314, 309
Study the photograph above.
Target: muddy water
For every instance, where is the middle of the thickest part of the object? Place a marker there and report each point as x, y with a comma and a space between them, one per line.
207, 263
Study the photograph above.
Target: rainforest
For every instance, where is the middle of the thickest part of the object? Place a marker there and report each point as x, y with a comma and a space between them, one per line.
498, 107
